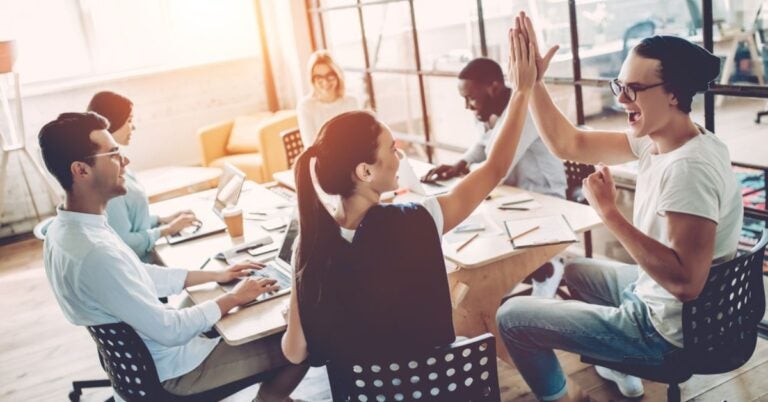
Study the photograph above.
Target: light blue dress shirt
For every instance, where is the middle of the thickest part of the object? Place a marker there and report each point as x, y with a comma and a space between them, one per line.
97, 280
533, 168
129, 216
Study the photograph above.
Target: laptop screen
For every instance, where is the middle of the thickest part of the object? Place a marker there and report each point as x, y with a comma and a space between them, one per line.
286, 249
230, 185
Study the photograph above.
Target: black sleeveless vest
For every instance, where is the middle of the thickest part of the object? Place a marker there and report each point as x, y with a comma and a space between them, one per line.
385, 294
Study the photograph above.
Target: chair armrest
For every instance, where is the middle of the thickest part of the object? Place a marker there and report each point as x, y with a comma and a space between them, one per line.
270, 143
213, 141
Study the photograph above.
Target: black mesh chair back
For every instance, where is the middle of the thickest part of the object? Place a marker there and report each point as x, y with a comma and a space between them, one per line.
463, 371
293, 145
575, 173
127, 362
132, 371
720, 326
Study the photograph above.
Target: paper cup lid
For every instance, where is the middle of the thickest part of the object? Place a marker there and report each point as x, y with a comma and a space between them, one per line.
231, 211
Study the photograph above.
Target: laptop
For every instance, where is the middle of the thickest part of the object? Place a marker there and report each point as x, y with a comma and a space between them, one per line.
408, 179
211, 220
278, 268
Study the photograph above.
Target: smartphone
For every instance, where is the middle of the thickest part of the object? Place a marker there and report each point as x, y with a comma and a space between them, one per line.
273, 224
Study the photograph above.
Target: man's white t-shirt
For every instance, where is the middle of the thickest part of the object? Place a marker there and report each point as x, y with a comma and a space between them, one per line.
694, 179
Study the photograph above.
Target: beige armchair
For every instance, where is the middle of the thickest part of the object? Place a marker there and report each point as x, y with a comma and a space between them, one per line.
258, 161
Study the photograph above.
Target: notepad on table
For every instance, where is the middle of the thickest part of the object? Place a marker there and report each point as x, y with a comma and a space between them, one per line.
540, 231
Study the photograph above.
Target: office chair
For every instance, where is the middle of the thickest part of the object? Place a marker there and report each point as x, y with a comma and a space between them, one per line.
132, 373
575, 173
462, 371
293, 145
719, 327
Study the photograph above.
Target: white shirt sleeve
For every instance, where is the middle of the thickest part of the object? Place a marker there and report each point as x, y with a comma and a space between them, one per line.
168, 281
122, 290
690, 187
433, 207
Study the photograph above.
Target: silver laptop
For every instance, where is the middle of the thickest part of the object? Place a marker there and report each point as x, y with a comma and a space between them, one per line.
408, 179
210, 220
279, 268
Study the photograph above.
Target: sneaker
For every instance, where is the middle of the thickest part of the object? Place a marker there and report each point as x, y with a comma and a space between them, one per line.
629, 386
548, 287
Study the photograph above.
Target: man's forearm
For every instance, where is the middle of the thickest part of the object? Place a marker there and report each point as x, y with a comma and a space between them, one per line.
198, 277
659, 261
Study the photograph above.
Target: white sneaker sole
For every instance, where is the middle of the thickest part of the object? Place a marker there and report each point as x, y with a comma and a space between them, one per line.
622, 390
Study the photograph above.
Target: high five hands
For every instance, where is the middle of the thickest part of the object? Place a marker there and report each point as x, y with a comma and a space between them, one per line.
524, 27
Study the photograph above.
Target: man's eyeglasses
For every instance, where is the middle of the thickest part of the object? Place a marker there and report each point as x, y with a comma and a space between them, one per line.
330, 77
630, 90
116, 154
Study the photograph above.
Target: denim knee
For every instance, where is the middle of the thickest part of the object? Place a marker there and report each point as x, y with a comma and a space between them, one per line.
575, 270
513, 314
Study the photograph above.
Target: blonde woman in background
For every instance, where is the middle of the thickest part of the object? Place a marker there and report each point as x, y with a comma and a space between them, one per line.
327, 98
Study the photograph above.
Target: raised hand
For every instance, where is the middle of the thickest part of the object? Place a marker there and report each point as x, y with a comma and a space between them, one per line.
600, 190
524, 24
522, 64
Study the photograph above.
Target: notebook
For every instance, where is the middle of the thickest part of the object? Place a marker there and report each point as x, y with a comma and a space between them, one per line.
541, 231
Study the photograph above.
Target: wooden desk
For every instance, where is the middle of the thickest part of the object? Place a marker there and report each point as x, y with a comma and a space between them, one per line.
488, 268
241, 325
168, 182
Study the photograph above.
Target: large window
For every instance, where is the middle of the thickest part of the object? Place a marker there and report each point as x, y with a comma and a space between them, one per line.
408, 53
87, 38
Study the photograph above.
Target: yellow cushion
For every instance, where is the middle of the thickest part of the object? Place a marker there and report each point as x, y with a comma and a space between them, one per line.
244, 137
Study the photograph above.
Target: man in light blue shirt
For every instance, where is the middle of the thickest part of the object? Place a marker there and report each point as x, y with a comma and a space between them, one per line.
97, 279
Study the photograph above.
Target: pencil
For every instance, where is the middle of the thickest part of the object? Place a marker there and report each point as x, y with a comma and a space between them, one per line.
524, 233
205, 263
473, 237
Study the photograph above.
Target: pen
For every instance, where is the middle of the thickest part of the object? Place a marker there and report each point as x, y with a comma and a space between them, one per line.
503, 208
524, 233
504, 204
205, 263
474, 236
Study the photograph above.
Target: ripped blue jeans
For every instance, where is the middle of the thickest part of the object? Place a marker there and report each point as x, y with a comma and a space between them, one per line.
607, 322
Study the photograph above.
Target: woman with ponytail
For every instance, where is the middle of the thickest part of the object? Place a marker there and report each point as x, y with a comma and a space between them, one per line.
370, 278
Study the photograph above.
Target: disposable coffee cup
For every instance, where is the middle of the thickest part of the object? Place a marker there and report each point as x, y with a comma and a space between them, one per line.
233, 217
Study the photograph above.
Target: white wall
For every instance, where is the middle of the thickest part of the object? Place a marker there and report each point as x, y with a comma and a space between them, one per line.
168, 109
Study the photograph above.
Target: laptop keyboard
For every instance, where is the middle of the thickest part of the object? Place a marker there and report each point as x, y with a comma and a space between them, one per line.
269, 271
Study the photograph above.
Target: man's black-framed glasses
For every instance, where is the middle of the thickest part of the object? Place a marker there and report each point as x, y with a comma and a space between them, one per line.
630, 90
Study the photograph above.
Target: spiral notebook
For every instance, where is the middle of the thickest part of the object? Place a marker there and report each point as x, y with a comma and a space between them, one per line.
541, 231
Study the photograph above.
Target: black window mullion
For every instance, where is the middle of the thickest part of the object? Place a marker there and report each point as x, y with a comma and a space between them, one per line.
368, 78
420, 77
481, 28
709, 97
576, 62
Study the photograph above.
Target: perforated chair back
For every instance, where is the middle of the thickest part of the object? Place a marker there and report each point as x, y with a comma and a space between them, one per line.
127, 362
720, 326
133, 374
575, 173
463, 371
293, 145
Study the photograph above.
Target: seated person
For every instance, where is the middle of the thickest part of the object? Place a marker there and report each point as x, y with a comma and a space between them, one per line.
129, 214
687, 216
327, 99
370, 275
98, 280
481, 84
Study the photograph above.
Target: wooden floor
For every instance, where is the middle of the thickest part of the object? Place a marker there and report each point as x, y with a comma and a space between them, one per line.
41, 353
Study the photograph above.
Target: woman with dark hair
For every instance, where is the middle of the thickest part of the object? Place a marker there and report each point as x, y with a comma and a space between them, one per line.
129, 214
687, 216
370, 277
